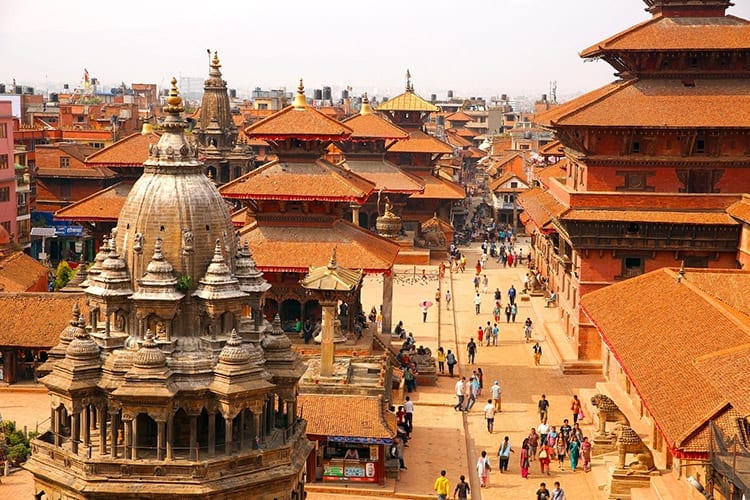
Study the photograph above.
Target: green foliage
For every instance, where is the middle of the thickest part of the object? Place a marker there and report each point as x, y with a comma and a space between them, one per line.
184, 283
17, 445
64, 275
19, 453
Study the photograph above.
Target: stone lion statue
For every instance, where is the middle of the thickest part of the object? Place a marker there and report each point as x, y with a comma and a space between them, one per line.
628, 441
608, 412
433, 237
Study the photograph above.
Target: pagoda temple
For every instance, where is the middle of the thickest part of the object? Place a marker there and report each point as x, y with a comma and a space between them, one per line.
654, 160
296, 205
419, 156
171, 385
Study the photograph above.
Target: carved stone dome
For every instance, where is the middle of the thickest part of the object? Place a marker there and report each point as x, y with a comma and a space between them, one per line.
173, 199
149, 355
277, 340
233, 352
82, 346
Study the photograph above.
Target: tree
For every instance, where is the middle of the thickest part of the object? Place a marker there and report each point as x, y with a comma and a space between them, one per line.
64, 275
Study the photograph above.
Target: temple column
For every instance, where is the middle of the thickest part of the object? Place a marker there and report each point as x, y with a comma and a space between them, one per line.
355, 213
327, 348
128, 438
228, 435
193, 437
107, 323
387, 301
75, 431
211, 434
170, 437
56, 424
242, 429
114, 425
291, 412
160, 438
134, 439
102, 423
257, 422
85, 430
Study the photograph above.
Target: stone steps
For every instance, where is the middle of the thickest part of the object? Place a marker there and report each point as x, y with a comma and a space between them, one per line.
575, 367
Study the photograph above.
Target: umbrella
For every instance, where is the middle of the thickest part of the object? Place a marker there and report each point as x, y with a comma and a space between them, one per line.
425, 303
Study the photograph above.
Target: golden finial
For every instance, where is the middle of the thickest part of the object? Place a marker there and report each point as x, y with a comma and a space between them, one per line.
174, 98
300, 102
332, 263
366, 109
215, 61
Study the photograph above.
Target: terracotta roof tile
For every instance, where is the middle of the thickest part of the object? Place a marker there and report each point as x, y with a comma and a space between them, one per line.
456, 140
553, 148
440, 189
76, 150
76, 173
678, 33
293, 122
306, 180
296, 248
419, 142
658, 103
51, 313
366, 416
652, 216
104, 205
741, 209
660, 330
372, 126
459, 117
20, 272
408, 101
556, 171
130, 151
497, 184
385, 175
541, 206
508, 162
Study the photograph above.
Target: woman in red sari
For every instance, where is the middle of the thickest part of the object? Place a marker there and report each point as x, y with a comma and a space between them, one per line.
525, 459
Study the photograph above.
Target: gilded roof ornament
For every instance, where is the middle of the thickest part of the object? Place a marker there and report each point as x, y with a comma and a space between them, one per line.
300, 102
366, 109
215, 65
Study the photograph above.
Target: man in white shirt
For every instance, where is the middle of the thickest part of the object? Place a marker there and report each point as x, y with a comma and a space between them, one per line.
489, 415
409, 416
495, 394
460, 393
543, 430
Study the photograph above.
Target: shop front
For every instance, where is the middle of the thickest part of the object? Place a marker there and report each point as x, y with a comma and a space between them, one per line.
347, 460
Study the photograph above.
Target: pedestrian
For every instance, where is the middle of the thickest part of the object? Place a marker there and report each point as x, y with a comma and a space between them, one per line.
498, 295
574, 450
478, 267
533, 444
448, 299
495, 333
397, 451
575, 408
510, 259
496, 393
409, 416
508, 312
561, 448
477, 303
480, 377
577, 431
462, 489
476, 280
542, 493
485, 283
545, 455
441, 359
488, 334
471, 349
450, 360
552, 436
480, 334
503, 454
424, 312
513, 312
512, 294
543, 406
524, 456
496, 311
537, 354
473, 392
586, 454
489, 415
460, 390
543, 430
565, 431
442, 486
557, 491
409, 379
483, 469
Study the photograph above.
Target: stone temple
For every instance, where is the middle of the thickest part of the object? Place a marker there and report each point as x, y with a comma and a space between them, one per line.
167, 381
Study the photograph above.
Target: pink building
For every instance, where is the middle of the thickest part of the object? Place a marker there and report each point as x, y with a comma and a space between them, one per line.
7, 171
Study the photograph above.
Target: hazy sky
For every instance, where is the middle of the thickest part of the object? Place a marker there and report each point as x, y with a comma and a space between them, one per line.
475, 47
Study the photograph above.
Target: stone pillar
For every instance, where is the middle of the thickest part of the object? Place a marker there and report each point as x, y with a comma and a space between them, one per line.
85, 429
355, 214
107, 322
211, 434
102, 423
114, 425
56, 425
193, 437
170, 437
134, 439
128, 438
75, 431
228, 435
160, 438
242, 429
327, 348
291, 412
387, 301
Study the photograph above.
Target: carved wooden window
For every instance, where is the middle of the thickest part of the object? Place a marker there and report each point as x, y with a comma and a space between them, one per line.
632, 266
635, 181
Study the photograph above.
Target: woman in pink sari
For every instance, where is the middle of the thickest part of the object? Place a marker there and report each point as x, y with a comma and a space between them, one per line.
586, 454
525, 459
